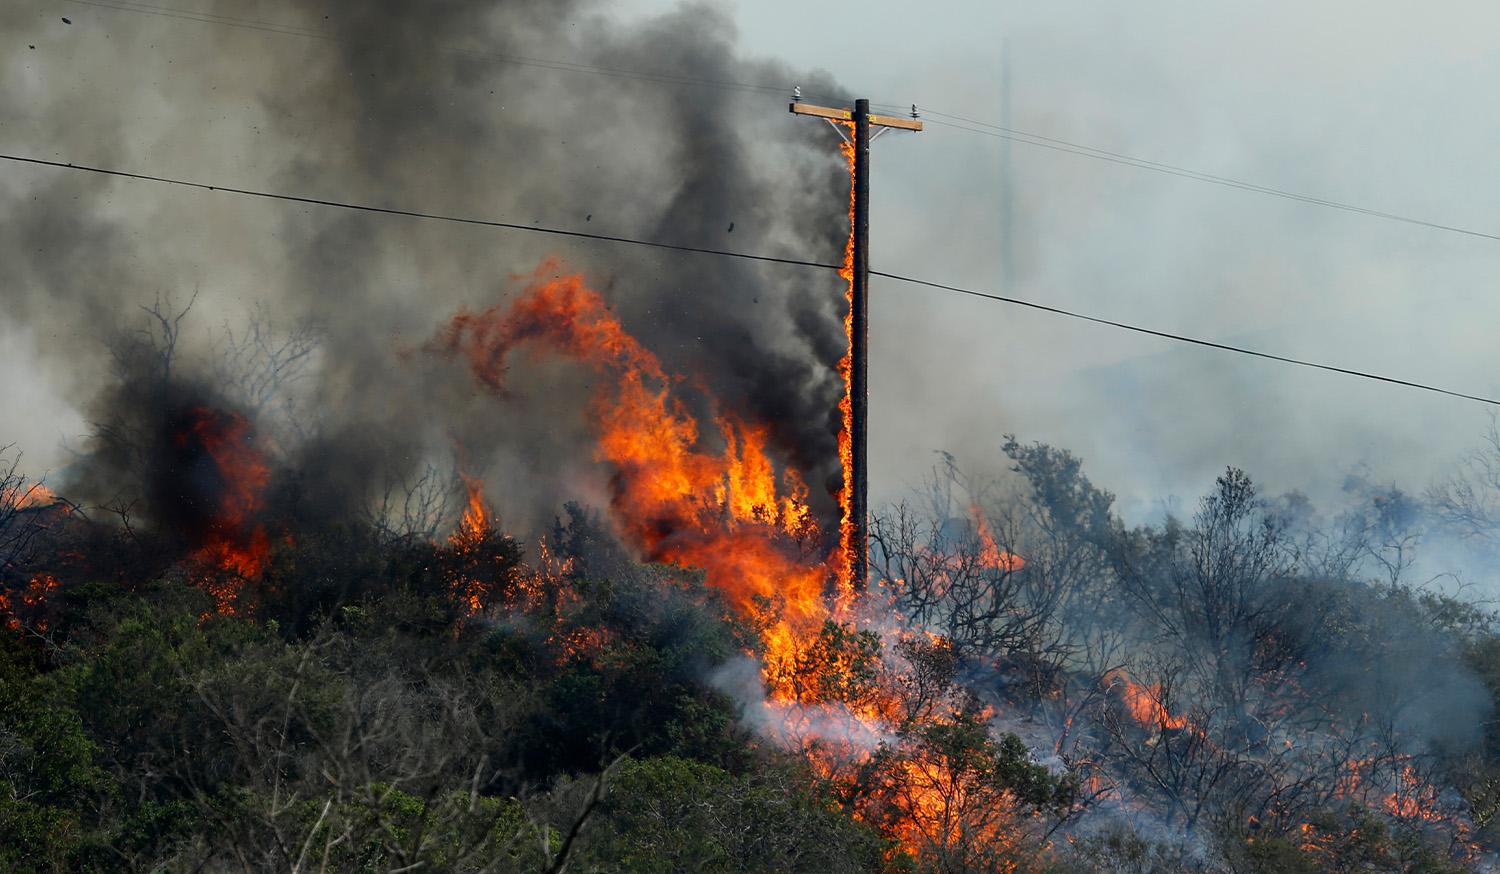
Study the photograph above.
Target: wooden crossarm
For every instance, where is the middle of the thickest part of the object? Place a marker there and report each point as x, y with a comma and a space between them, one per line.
911, 124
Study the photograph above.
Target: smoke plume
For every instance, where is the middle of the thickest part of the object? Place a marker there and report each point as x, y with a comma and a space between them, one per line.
435, 107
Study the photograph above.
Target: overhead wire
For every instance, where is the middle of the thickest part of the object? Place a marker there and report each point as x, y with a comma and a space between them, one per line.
1059, 145
1183, 338
416, 214
562, 232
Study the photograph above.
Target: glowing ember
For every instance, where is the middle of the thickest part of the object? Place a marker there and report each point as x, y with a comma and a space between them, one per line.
26, 606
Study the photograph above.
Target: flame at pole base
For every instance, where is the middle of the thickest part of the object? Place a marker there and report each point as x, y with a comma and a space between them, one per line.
743, 520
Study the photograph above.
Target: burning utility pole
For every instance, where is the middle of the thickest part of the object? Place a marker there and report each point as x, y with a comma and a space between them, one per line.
854, 534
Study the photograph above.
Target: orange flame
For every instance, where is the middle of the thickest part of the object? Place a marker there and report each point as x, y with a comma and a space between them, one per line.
474, 527
731, 514
941, 812
847, 546
1145, 704
24, 496
474, 524
727, 513
1414, 798
233, 541
990, 554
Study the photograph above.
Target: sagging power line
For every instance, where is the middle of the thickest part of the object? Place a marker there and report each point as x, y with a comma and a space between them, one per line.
409, 213
1057, 145
532, 228
1181, 338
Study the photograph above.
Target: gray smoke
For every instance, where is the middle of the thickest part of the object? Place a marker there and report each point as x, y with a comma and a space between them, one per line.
424, 106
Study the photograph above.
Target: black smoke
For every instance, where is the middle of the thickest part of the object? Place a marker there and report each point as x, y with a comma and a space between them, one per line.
456, 107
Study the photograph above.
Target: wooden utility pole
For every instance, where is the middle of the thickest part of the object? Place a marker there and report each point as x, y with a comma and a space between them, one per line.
861, 119
859, 351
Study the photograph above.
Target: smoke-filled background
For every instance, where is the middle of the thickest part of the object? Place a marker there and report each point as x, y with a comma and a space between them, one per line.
414, 105
233, 389
409, 105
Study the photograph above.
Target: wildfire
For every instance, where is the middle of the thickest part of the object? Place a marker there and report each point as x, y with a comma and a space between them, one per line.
847, 545
475, 523
730, 513
727, 512
23, 496
27, 604
932, 808
1412, 796
990, 553
1145, 704
232, 541
474, 528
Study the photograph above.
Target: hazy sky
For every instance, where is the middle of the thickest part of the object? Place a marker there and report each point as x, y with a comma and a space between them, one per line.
1383, 105
1375, 104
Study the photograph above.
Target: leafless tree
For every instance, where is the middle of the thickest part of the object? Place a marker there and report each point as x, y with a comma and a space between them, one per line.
152, 348
1000, 585
1469, 502
1212, 591
947, 585
143, 361
263, 364
1383, 531
24, 503
414, 507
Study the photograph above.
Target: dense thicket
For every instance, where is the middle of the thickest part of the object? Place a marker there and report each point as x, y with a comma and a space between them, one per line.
139, 730
351, 714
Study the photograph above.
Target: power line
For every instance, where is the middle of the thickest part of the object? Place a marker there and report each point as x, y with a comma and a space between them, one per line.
956, 122
408, 213
1058, 145
1225, 347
